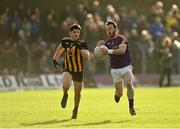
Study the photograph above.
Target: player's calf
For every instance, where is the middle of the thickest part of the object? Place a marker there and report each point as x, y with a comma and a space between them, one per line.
118, 91
64, 100
75, 112
131, 107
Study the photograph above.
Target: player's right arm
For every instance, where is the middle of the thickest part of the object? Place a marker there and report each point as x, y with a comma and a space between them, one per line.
57, 54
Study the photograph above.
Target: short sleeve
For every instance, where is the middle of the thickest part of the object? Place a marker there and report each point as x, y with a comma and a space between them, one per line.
124, 40
84, 46
62, 44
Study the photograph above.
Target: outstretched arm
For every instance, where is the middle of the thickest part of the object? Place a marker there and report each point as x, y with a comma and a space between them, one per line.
57, 54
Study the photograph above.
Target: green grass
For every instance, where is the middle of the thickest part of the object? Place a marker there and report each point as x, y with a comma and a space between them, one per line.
156, 108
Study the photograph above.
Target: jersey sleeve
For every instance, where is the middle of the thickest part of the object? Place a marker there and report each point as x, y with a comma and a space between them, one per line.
65, 42
124, 40
62, 44
84, 46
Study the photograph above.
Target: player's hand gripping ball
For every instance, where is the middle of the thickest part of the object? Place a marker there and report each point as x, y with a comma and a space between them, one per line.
97, 51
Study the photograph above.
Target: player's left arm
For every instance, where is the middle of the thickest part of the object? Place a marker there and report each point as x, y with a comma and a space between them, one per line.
122, 47
84, 51
85, 54
121, 50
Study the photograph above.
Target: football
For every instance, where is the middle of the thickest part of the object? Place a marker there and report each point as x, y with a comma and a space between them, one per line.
97, 51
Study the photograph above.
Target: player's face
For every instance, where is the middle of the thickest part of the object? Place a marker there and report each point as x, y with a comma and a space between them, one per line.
110, 30
74, 34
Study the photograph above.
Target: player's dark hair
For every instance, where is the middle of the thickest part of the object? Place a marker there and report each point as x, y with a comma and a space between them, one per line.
111, 23
74, 26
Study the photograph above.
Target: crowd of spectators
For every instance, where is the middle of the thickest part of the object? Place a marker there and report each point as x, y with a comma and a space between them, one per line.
28, 38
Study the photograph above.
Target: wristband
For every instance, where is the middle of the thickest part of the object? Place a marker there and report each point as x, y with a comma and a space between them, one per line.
110, 51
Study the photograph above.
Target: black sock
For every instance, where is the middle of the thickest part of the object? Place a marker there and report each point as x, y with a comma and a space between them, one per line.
75, 107
131, 103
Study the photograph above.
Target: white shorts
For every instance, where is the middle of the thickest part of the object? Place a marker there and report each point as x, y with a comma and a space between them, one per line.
117, 74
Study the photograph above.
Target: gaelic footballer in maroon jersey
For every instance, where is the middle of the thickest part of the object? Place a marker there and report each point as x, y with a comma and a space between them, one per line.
121, 69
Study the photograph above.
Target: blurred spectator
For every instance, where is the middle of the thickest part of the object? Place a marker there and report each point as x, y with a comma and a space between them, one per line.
111, 13
21, 10
7, 52
142, 24
124, 17
95, 9
90, 31
147, 49
35, 26
100, 25
135, 49
80, 13
133, 20
17, 21
4, 24
44, 65
156, 11
26, 26
166, 61
173, 19
38, 49
50, 28
68, 13
176, 52
157, 31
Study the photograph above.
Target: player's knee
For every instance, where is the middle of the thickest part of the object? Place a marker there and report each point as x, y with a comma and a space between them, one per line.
128, 81
66, 84
77, 93
66, 79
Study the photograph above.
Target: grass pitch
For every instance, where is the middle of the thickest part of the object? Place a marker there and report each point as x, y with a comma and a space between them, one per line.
156, 108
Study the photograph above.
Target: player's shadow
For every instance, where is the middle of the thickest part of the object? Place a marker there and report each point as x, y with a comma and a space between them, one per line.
122, 121
87, 124
45, 122
97, 123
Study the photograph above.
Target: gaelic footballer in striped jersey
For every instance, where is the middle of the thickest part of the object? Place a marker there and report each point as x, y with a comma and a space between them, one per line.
75, 51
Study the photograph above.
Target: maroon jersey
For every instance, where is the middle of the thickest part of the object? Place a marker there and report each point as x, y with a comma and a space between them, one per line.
118, 61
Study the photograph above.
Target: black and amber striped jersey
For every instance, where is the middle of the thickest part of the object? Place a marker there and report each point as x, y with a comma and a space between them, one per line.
73, 60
